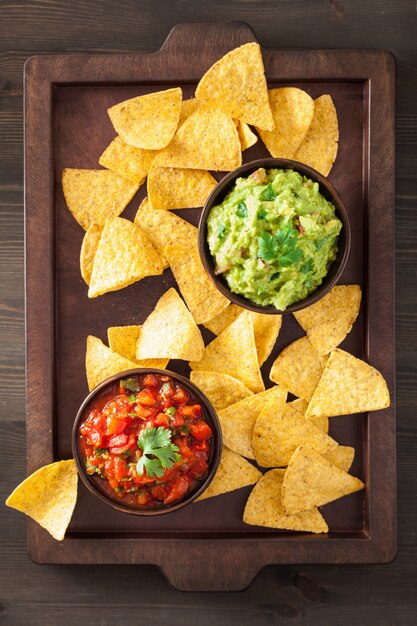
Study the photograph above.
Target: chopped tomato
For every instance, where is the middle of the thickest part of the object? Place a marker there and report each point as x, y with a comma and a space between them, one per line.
121, 449
181, 395
150, 381
145, 412
178, 489
118, 440
200, 430
192, 410
115, 426
146, 397
162, 419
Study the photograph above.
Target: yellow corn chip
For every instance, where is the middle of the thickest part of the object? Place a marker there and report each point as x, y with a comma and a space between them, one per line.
277, 433
165, 229
238, 420
342, 456
88, 251
329, 320
348, 385
148, 121
237, 84
101, 362
292, 110
123, 340
200, 294
319, 147
233, 352
93, 196
132, 163
187, 108
246, 137
264, 508
124, 256
48, 496
220, 322
321, 422
170, 332
207, 140
221, 389
311, 480
234, 472
177, 188
298, 368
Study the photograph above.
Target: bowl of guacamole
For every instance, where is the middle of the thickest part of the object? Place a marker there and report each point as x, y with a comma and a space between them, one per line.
274, 236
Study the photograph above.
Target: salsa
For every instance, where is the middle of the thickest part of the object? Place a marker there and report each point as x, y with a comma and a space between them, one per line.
273, 237
146, 441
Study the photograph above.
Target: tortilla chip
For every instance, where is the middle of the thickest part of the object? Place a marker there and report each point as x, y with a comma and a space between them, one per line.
93, 196
164, 228
207, 140
342, 456
238, 420
123, 340
321, 422
234, 472
264, 508
222, 390
101, 362
329, 320
311, 480
246, 137
132, 163
237, 84
220, 322
292, 110
277, 433
233, 352
298, 368
124, 256
148, 121
170, 332
48, 496
88, 251
348, 385
319, 148
187, 108
200, 294
177, 188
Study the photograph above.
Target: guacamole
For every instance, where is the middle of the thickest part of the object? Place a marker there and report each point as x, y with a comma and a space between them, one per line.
273, 237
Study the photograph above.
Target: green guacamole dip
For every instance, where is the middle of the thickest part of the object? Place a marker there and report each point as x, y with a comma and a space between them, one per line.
273, 237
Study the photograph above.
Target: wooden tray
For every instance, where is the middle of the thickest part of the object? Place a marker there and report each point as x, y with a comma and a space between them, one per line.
206, 546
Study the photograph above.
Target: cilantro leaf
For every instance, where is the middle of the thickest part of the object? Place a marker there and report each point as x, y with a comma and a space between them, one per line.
286, 235
307, 267
242, 210
171, 411
131, 384
159, 453
221, 231
322, 241
268, 193
268, 247
291, 257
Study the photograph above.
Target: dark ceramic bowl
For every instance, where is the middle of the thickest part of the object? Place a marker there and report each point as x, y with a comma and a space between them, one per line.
326, 189
93, 482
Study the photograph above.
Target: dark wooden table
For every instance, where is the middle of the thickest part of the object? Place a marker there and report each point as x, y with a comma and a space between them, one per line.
330, 595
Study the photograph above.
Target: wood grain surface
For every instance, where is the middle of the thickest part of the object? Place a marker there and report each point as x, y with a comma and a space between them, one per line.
30, 594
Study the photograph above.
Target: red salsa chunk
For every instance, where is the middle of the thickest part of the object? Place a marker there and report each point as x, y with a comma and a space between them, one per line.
147, 441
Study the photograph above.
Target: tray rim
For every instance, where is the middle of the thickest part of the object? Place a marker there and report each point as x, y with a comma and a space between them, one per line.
377, 70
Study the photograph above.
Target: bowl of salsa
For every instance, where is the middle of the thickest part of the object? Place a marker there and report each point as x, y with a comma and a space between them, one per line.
146, 441
274, 236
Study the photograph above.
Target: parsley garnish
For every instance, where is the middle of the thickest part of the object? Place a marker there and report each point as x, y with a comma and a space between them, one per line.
221, 231
307, 267
262, 214
268, 193
268, 247
156, 443
170, 411
131, 384
281, 247
242, 210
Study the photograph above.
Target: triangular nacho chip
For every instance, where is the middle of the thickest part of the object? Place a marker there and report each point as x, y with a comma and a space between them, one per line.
124, 256
148, 121
329, 320
319, 147
123, 340
93, 196
187, 108
233, 352
348, 385
279, 430
88, 251
342, 456
170, 332
293, 110
132, 163
321, 422
177, 188
237, 84
311, 480
298, 368
264, 508
164, 228
221, 389
48, 496
200, 294
238, 420
234, 472
207, 140
101, 362
220, 322
247, 138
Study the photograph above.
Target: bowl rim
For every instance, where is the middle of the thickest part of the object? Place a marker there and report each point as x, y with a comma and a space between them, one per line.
221, 188
213, 420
